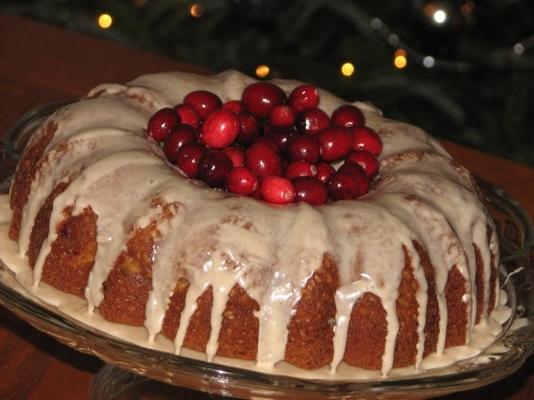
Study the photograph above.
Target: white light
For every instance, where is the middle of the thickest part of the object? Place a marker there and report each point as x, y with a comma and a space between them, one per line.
439, 16
393, 39
376, 23
519, 48
429, 61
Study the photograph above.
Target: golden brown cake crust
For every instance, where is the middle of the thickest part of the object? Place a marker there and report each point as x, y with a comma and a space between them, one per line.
26, 169
311, 329
69, 263
366, 339
407, 309
456, 309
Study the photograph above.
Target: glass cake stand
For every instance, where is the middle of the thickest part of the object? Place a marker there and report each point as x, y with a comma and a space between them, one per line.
137, 372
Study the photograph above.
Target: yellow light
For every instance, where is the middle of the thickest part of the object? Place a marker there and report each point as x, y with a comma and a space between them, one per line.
105, 21
347, 69
196, 10
262, 71
400, 60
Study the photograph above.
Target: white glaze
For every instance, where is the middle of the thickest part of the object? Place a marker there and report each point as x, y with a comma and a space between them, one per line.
270, 251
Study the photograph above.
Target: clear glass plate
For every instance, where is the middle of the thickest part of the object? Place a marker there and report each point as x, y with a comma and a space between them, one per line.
517, 277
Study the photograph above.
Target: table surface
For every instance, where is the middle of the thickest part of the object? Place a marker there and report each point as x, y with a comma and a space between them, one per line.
40, 64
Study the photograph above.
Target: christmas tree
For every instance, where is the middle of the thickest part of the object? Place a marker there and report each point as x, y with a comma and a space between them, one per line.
459, 70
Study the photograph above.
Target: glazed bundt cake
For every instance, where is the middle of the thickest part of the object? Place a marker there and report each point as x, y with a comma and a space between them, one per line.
407, 270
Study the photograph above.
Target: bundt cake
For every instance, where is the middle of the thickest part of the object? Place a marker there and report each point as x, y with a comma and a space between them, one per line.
406, 271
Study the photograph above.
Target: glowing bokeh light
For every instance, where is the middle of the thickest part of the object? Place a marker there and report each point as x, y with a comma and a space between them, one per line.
196, 10
262, 71
347, 69
400, 60
429, 61
105, 21
439, 16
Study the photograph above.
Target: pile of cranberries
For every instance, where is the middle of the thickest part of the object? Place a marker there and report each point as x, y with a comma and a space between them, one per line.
276, 148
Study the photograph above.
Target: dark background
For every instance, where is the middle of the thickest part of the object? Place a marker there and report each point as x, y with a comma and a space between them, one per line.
468, 77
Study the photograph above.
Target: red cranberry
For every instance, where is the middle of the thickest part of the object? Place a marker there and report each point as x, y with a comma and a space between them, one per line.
282, 116
303, 148
366, 139
241, 181
345, 186
188, 115
179, 136
366, 160
351, 168
277, 190
162, 123
299, 168
310, 190
249, 128
188, 158
312, 121
347, 115
235, 106
203, 102
281, 137
335, 143
220, 129
236, 154
324, 170
304, 97
214, 168
262, 160
260, 97
268, 141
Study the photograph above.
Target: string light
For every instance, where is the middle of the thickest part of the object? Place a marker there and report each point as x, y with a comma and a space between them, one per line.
196, 10
429, 61
347, 69
399, 60
439, 16
105, 21
467, 8
262, 71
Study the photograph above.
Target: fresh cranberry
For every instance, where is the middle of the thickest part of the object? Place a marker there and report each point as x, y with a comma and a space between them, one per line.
268, 141
188, 158
249, 130
303, 148
335, 143
263, 160
351, 168
203, 102
366, 160
260, 97
277, 190
241, 180
367, 139
188, 115
310, 190
179, 136
345, 186
234, 106
220, 129
324, 170
236, 154
299, 168
347, 116
304, 97
282, 116
312, 121
162, 123
281, 137
214, 168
